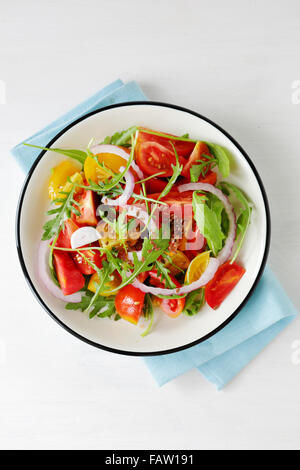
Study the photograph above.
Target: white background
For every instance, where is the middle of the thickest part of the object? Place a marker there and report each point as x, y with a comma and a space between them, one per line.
236, 63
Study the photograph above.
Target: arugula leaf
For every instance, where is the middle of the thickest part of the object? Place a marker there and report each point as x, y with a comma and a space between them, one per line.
151, 251
82, 305
202, 168
100, 188
221, 156
151, 177
102, 307
193, 302
164, 274
140, 197
244, 216
177, 169
79, 155
208, 223
103, 275
216, 206
122, 138
195, 172
144, 195
63, 212
169, 261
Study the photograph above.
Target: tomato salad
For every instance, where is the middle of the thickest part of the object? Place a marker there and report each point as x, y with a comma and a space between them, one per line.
143, 219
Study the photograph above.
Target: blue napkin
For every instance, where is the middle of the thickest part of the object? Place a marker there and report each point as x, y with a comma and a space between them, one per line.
222, 356
114, 93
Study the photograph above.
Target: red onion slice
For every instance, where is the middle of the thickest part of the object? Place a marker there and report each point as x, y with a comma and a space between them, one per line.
107, 148
45, 277
83, 236
128, 190
202, 281
226, 251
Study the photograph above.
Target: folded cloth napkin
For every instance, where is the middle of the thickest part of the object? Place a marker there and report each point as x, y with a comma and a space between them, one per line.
116, 92
222, 356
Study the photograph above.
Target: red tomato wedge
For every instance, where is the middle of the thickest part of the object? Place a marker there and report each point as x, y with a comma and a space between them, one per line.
196, 156
86, 207
64, 237
191, 254
155, 154
129, 303
174, 197
209, 178
64, 241
83, 265
183, 148
155, 185
172, 307
227, 276
153, 158
70, 279
179, 206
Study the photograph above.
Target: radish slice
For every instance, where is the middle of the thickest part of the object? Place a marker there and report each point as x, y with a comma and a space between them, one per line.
226, 251
202, 281
44, 275
83, 236
106, 148
128, 190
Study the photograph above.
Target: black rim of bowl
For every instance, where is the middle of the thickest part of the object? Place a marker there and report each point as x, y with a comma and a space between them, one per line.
119, 351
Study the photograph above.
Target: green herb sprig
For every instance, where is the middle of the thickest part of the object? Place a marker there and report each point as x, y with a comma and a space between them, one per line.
208, 222
244, 216
102, 307
202, 168
122, 138
67, 205
221, 155
79, 155
193, 302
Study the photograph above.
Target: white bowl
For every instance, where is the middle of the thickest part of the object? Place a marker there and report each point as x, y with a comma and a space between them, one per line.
169, 335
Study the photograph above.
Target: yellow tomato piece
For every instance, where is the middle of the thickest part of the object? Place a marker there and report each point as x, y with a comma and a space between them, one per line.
112, 161
96, 172
111, 284
197, 267
179, 261
59, 176
76, 178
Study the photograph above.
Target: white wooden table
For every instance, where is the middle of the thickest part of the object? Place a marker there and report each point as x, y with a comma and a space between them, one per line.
235, 62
